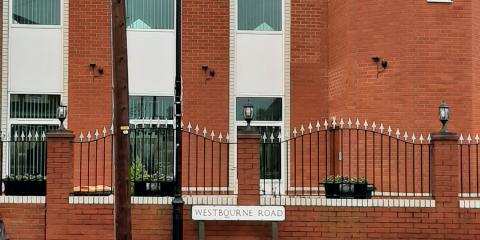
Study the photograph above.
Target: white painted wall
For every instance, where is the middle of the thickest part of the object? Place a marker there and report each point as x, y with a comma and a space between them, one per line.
260, 60
36, 60
151, 62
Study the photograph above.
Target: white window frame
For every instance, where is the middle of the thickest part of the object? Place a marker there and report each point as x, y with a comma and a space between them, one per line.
260, 32
160, 30
267, 183
23, 121
161, 122
36, 26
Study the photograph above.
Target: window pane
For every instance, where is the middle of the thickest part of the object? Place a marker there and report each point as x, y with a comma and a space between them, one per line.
38, 12
264, 109
260, 15
152, 151
270, 152
33, 106
150, 14
149, 107
27, 155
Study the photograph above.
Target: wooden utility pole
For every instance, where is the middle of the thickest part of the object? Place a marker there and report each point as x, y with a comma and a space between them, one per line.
123, 226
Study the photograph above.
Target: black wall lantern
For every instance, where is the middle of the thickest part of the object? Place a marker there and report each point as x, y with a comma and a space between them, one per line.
444, 116
61, 115
248, 113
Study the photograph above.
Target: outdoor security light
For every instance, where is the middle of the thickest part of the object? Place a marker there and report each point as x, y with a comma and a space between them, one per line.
248, 113
61, 115
444, 115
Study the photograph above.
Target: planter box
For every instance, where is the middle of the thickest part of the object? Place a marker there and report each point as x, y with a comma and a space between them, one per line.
360, 191
332, 190
25, 188
143, 188
347, 190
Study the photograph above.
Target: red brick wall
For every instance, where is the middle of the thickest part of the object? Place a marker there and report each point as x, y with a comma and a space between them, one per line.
475, 65
428, 47
309, 61
23, 221
206, 42
90, 100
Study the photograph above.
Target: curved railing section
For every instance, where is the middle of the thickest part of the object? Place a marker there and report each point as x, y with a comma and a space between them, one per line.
346, 160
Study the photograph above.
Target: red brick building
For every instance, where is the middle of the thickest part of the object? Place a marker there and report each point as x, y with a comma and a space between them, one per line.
296, 61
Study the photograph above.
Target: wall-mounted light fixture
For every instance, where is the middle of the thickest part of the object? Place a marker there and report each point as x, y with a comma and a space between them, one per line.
209, 72
248, 114
61, 115
381, 64
444, 116
96, 70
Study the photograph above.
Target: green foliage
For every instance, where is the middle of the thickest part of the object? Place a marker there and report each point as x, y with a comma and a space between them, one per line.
345, 179
26, 177
138, 171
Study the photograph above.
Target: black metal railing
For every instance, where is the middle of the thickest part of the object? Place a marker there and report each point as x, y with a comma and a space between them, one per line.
339, 160
26, 162
207, 159
93, 168
469, 168
152, 173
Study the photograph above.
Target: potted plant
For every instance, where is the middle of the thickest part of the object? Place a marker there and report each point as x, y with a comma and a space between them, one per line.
360, 188
139, 176
346, 189
332, 187
161, 184
25, 185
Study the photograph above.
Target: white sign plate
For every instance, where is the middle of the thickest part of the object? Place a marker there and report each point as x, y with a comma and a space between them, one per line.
238, 213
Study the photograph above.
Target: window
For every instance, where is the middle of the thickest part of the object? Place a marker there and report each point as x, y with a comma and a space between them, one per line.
36, 12
152, 138
259, 15
150, 14
31, 116
267, 120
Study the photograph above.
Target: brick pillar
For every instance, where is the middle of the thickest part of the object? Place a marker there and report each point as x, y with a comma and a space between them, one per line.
445, 167
59, 182
248, 168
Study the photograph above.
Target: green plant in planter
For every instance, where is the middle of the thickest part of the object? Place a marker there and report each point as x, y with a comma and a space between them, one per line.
362, 180
161, 177
353, 180
26, 177
329, 179
138, 171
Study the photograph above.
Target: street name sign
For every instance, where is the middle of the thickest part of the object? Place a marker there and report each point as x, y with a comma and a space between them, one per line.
238, 213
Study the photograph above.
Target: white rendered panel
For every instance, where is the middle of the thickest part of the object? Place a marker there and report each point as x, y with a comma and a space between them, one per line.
151, 62
260, 62
36, 60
